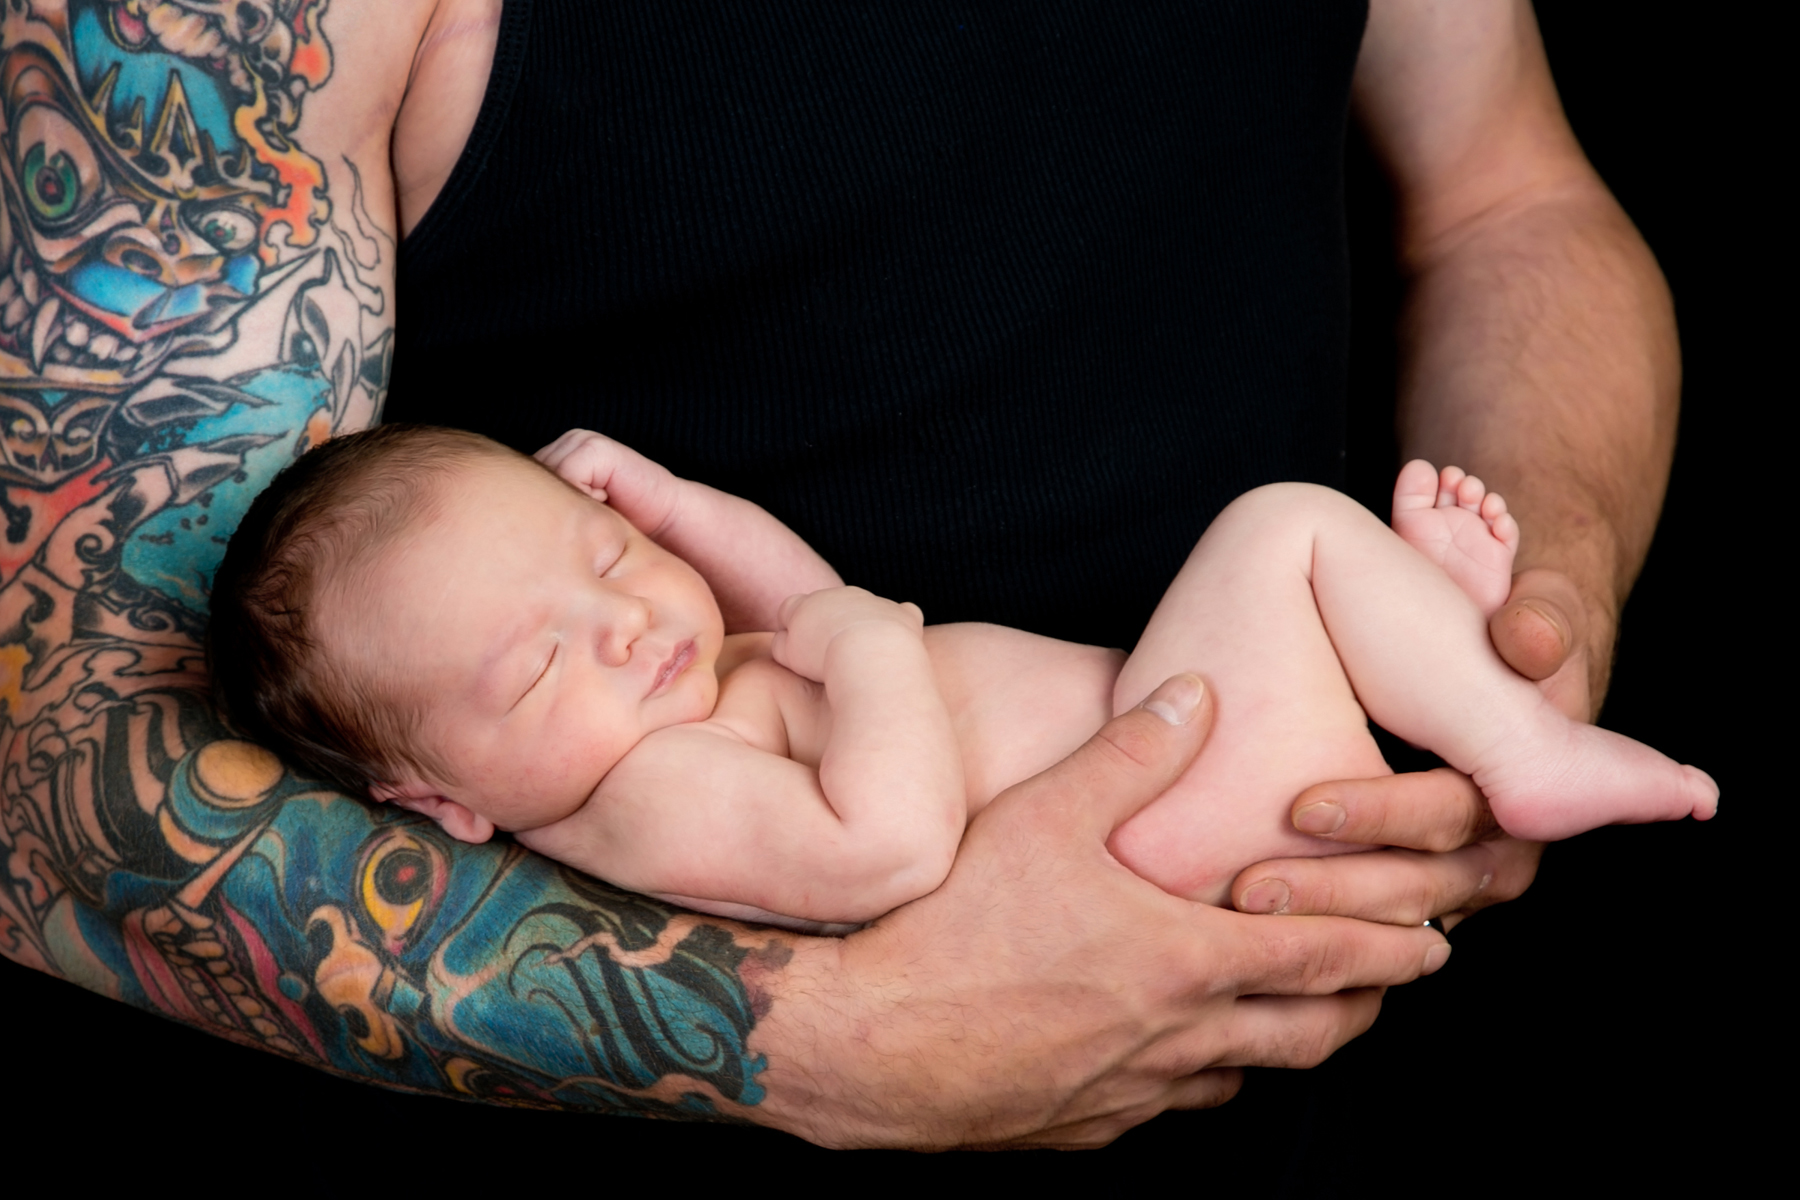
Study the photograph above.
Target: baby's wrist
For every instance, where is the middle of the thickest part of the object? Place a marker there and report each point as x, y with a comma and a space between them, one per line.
877, 629
861, 644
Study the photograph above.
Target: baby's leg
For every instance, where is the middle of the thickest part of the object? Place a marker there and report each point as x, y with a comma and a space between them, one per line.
1293, 588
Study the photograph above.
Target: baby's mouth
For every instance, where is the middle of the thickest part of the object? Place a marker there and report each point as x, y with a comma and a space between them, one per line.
677, 663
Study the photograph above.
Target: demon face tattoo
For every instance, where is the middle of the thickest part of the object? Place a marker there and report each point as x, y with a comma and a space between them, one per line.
150, 182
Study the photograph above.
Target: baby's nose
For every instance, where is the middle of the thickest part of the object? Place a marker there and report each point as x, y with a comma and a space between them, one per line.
623, 623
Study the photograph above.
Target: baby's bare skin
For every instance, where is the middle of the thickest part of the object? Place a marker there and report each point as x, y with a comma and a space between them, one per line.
822, 775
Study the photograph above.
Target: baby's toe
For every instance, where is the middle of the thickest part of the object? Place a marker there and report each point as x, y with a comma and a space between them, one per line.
1417, 486
1469, 494
1448, 481
1705, 793
1506, 531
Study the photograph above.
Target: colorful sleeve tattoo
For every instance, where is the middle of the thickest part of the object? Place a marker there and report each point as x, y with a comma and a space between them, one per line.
184, 308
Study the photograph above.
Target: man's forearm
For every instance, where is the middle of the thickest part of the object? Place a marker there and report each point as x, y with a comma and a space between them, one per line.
1540, 353
1538, 341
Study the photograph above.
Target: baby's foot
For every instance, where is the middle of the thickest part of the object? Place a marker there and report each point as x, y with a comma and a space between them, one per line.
1556, 777
1452, 519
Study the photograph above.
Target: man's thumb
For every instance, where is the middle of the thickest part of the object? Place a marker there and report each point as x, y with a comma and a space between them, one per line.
1535, 630
1138, 755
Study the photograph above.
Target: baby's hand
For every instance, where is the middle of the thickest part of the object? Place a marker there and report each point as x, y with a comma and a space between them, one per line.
643, 492
806, 625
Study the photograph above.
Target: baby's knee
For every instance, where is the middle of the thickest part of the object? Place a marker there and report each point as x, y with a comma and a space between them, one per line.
1294, 501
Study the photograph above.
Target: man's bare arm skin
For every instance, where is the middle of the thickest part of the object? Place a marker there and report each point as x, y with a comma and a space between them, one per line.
1538, 352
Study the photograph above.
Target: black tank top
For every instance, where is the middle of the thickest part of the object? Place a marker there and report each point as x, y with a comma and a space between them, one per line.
996, 303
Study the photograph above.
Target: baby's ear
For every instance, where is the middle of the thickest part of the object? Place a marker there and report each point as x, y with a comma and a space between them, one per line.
455, 819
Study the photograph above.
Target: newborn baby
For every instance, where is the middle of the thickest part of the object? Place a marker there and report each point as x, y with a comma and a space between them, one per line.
432, 619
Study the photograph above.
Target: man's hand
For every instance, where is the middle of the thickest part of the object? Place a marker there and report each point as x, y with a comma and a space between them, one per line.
1047, 996
1456, 861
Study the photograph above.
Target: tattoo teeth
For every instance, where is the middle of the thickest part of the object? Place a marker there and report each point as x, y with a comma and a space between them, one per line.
49, 333
42, 326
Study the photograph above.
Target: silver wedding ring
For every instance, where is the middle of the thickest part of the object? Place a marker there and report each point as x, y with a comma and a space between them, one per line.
1437, 923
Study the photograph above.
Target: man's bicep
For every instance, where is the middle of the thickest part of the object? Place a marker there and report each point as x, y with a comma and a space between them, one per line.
1458, 101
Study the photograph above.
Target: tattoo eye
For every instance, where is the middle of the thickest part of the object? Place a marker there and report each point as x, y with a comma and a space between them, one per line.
58, 173
230, 230
52, 187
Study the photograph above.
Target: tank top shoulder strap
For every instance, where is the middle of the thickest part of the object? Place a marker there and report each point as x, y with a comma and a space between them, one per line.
496, 104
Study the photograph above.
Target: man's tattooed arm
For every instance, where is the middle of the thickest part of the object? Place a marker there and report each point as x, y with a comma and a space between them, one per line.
195, 287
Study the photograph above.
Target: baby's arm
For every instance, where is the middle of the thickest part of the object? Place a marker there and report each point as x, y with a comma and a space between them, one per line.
729, 815
751, 560
890, 766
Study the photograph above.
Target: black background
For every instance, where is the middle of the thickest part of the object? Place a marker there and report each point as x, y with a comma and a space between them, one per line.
1608, 1030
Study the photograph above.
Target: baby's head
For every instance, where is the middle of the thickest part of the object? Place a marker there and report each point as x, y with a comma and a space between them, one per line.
425, 616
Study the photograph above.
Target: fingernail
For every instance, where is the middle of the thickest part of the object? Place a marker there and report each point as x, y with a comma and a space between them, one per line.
1176, 700
1325, 816
1436, 957
1265, 896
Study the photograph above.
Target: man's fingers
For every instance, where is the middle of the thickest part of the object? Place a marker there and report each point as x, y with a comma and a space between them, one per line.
1399, 887
1540, 624
1203, 1089
1298, 1031
1134, 758
1317, 956
1425, 810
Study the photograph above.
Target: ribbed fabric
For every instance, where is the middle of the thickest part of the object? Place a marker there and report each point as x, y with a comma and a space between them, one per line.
996, 303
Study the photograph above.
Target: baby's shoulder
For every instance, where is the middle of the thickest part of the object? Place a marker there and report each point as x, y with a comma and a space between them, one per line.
680, 752
750, 676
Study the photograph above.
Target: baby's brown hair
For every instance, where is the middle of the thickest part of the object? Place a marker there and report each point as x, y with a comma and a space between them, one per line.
337, 503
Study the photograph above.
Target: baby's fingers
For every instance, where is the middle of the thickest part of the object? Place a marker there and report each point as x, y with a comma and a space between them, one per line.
559, 447
784, 616
581, 457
